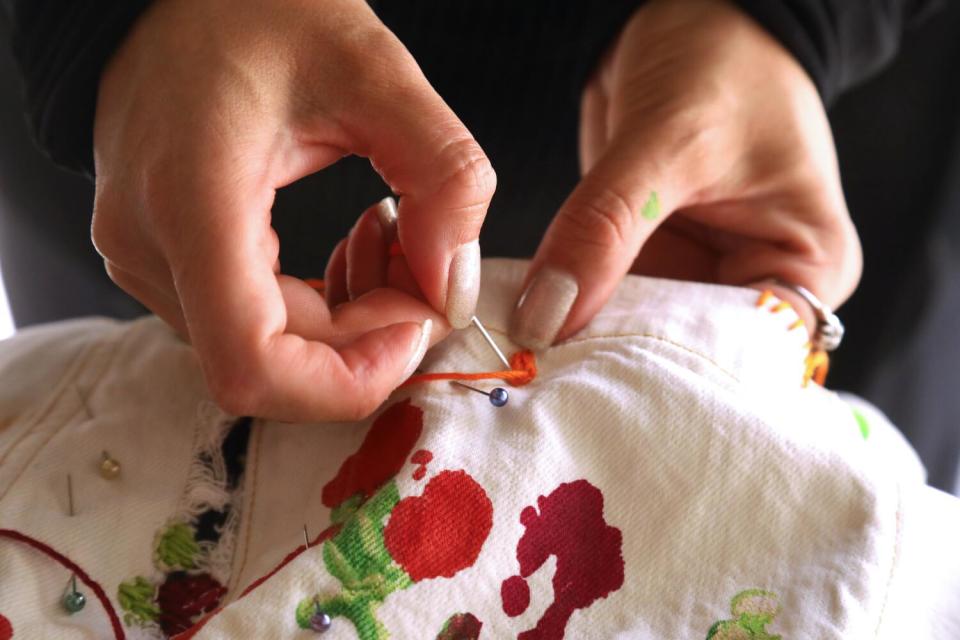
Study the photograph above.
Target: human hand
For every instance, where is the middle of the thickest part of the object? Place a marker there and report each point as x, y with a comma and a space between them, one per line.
707, 156
209, 107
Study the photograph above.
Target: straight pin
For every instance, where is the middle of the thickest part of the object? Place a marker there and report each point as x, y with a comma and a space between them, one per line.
498, 396
70, 511
493, 345
73, 601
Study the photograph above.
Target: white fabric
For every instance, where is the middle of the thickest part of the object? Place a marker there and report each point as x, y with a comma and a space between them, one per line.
681, 403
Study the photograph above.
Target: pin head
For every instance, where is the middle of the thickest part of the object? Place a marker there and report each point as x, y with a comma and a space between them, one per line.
109, 468
74, 601
499, 396
320, 621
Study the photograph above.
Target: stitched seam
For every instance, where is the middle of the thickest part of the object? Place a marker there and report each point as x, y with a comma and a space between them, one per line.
51, 403
56, 400
650, 336
253, 457
897, 544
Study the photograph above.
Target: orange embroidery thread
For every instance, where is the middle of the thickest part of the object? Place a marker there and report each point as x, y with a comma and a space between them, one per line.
817, 362
316, 284
817, 365
523, 364
523, 369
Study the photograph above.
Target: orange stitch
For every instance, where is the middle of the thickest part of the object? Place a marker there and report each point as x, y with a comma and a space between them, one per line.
817, 365
781, 306
317, 284
796, 324
765, 295
523, 369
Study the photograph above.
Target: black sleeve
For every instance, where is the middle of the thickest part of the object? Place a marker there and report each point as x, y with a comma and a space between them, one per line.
839, 42
61, 46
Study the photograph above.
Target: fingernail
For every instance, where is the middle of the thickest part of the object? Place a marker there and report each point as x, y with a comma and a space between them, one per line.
463, 285
387, 215
425, 329
543, 308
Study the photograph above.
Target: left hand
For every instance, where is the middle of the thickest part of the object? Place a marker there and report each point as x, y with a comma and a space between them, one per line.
707, 156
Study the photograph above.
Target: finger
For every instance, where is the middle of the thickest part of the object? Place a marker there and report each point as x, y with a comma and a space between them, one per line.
335, 276
344, 384
367, 256
158, 301
310, 318
594, 109
399, 277
237, 315
444, 180
592, 242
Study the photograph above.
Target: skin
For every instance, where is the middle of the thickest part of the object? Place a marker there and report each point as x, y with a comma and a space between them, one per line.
206, 109
210, 106
697, 102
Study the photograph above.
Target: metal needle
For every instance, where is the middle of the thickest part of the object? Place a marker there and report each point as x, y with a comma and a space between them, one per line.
493, 345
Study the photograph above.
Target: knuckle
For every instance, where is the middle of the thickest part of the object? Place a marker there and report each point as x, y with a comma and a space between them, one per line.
605, 218
115, 273
468, 172
237, 390
375, 64
104, 232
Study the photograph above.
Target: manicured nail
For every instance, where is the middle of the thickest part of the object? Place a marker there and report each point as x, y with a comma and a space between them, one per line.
421, 350
387, 215
463, 285
543, 308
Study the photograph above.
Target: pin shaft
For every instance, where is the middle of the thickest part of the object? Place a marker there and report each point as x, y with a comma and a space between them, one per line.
498, 397
493, 345
70, 511
466, 386
306, 538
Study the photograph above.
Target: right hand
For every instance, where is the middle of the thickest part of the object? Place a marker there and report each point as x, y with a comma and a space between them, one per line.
209, 107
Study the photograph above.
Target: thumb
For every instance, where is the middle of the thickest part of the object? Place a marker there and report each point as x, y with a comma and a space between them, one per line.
442, 177
592, 243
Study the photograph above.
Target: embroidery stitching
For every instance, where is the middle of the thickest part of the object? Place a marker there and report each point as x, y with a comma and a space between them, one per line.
193, 550
74, 568
753, 610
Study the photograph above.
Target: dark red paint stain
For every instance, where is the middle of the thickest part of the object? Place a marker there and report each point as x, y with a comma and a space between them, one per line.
515, 595
6, 628
183, 598
571, 527
461, 626
381, 456
422, 458
325, 535
442, 531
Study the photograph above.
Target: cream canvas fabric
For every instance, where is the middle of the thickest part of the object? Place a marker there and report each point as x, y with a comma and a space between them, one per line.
665, 475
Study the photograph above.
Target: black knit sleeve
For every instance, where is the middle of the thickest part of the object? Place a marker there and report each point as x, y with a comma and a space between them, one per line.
839, 42
61, 47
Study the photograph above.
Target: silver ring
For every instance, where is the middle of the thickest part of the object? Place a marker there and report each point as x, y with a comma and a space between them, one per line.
829, 332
